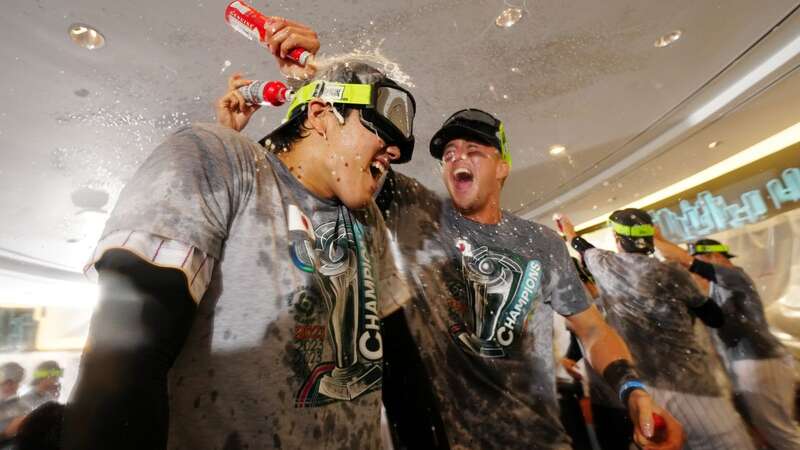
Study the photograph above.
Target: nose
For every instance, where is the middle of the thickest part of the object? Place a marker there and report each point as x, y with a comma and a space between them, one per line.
393, 152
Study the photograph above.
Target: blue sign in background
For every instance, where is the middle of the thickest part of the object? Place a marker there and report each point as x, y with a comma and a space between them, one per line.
710, 213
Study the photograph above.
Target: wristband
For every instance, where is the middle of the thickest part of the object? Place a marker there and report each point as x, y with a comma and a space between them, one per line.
628, 387
580, 244
618, 374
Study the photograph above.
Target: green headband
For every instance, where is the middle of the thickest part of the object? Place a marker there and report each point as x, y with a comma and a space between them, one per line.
505, 154
47, 373
713, 248
331, 92
643, 230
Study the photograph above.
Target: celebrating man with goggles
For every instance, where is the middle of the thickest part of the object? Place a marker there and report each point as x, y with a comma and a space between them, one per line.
487, 283
652, 305
756, 361
255, 269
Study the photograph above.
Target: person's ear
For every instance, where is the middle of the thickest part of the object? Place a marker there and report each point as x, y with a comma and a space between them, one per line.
502, 170
317, 116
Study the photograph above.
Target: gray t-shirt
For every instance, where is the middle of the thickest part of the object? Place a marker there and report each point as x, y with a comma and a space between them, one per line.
648, 302
745, 333
10, 409
482, 318
285, 350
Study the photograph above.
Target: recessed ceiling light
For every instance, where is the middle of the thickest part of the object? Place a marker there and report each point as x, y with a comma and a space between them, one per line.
714, 144
557, 149
509, 17
668, 38
86, 36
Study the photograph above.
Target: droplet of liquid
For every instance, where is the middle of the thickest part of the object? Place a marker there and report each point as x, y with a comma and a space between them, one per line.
508, 17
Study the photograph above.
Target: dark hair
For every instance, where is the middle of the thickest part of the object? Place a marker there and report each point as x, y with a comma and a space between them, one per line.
347, 71
631, 217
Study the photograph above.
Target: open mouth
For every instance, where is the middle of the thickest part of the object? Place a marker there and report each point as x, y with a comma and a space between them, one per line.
377, 168
462, 178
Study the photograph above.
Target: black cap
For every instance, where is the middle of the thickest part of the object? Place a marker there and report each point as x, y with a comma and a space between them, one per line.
468, 123
631, 217
694, 250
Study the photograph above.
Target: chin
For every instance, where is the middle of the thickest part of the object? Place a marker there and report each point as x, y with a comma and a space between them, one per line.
461, 204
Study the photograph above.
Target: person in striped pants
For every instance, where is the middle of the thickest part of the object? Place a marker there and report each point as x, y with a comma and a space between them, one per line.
760, 368
653, 306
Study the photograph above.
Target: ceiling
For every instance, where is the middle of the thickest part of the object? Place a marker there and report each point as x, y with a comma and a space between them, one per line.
74, 123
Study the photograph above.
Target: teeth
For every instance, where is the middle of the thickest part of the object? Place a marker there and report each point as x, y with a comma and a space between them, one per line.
461, 170
378, 165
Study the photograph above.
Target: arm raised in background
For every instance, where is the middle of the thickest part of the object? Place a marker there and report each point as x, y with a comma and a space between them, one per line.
609, 355
139, 327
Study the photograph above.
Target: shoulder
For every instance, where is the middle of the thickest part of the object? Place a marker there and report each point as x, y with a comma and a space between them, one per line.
211, 139
409, 189
541, 233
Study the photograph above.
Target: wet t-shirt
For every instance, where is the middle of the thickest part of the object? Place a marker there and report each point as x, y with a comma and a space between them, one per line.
285, 350
482, 317
745, 333
648, 302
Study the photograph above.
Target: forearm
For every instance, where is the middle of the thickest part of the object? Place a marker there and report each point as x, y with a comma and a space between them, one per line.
120, 400
606, 352
605, 346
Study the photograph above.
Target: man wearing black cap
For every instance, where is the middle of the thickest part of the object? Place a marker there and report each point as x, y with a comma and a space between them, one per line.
653, 306
486, 285
759, 366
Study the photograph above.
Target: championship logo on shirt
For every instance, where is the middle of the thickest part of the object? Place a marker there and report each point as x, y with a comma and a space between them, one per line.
302, 238
348, 365
499, 296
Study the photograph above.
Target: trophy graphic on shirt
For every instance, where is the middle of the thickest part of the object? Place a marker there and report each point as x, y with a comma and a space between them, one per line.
491, 281
337, 278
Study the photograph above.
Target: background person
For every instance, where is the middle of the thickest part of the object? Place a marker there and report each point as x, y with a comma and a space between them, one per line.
761, 370
653, 306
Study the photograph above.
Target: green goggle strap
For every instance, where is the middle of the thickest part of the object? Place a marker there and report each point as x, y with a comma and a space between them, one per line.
716, 248
632, 231
54, 373
343, 93
505, 154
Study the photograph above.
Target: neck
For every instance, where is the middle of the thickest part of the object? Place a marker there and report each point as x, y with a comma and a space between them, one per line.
304, 161
489, 214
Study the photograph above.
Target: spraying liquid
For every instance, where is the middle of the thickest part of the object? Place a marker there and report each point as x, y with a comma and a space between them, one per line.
272, 93
256, 26
369, 54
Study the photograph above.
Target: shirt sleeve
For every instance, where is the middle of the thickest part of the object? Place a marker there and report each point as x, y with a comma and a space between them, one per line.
177, 209
564, 290
599, 262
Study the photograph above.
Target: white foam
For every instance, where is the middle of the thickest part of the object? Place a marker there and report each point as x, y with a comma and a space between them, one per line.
372, 56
